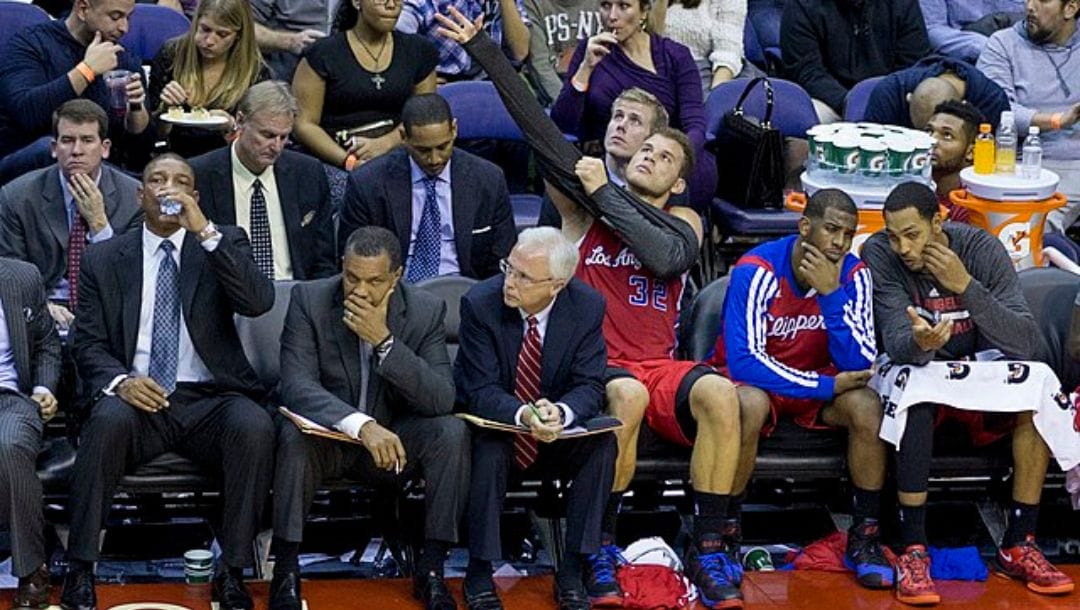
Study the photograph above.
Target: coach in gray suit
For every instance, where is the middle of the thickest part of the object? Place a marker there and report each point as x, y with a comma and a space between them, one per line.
365, 354
29, 370
39, 210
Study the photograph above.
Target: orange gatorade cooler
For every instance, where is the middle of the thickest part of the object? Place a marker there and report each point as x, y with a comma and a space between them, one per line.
1011, 208
870, 219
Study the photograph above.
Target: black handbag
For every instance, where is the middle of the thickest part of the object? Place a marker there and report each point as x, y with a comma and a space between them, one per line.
750, 155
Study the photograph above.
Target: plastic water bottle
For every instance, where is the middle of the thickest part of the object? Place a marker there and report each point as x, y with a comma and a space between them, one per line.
1005, 142
1032, 167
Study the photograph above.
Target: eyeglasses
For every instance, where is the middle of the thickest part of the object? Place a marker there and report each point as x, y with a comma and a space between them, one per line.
512, 273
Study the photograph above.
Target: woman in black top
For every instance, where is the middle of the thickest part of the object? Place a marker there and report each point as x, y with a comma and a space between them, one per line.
211, 66
359, 77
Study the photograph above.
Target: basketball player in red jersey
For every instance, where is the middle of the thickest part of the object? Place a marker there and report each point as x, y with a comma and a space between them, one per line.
683, 401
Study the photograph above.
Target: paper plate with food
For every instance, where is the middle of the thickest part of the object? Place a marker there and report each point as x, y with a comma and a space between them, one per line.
196, 117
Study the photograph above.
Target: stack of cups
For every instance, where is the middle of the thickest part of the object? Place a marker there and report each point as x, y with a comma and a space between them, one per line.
198, 566
868, 154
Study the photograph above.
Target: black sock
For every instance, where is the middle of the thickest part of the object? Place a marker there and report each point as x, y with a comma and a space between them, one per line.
710, 510
478, 576
1022, 520
286, 554
611, 516
865, 504
433, 556
734, 507
912, 525
570, 570
79, 565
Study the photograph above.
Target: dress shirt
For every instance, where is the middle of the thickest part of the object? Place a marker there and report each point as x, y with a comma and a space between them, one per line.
62, 292
9, 376
542, 318
448, 260
350, 424
243, 188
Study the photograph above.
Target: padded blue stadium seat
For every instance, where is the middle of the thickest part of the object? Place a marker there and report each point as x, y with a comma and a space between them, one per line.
526, 208
479, 111
15, 16
858, 97
149, 27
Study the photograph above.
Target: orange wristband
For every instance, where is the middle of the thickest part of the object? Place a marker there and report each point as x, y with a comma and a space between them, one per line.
350, 162
1055, 120
86, 72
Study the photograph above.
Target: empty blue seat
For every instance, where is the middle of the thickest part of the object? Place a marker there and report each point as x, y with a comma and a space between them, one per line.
149, 27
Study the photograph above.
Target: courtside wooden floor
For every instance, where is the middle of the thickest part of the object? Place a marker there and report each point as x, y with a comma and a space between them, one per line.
780, 590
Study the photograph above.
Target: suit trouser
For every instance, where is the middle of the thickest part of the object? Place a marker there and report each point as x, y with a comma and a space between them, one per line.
436, 447
20, 489
589, 462
225, 432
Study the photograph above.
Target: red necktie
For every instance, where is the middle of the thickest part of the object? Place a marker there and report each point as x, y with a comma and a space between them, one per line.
527, 390
76, 247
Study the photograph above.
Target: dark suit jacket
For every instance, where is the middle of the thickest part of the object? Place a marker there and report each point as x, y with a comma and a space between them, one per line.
380, 193
214, 286
33, 217
572, 361
305, 204
320, 357
31, 332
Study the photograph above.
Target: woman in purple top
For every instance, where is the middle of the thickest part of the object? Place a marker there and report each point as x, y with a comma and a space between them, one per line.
626, 55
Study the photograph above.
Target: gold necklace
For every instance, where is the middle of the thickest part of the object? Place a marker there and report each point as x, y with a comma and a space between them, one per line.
377, 78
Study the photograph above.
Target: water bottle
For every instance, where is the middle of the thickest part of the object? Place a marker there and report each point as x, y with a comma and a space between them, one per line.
1005, 143
1032, 167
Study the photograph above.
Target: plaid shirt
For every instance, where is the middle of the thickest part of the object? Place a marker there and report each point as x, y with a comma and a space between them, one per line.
418, 17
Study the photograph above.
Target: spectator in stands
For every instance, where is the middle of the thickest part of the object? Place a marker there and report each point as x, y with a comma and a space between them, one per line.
1035, 63
506, 21
279, 197
50, 63
908, 97
365, 354
830, 45
713, 31
159, 357
49, 216
635, 115
662, 245
448, 208
352, 85
532, 354
29, 374
628, 55
798, 336
285, 29
954, 126
960, 28
555, 29
944, 291
209, 67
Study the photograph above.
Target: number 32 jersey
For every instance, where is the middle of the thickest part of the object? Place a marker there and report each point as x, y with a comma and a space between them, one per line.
642, 311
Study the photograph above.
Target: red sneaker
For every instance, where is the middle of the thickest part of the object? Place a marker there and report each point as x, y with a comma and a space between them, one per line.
913, 583
1026, 562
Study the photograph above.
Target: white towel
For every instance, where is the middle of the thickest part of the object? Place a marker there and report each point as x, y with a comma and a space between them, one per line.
1003, 386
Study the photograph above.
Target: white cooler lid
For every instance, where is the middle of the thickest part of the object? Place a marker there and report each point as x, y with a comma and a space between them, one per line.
1009, 187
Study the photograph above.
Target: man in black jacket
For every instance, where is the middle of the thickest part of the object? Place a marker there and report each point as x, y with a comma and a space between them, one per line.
830, 45
158, 353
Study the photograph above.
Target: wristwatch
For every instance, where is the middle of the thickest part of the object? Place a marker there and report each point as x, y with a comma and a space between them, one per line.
383, 348
209, 231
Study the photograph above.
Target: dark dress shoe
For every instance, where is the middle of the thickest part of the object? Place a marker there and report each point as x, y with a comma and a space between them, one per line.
285, 591
33, 590
78, 593
571, 598
431, 589
230, 592
485, 599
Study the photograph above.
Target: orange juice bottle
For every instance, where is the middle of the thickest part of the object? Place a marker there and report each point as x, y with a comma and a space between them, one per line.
984, 150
